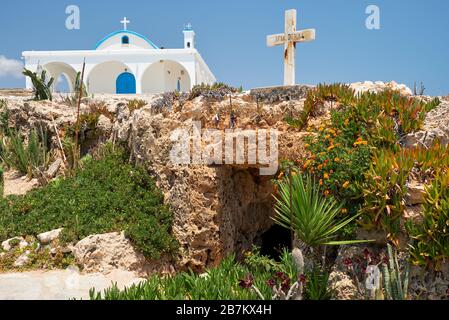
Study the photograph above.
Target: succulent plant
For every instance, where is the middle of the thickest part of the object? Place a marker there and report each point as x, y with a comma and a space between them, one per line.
395, 283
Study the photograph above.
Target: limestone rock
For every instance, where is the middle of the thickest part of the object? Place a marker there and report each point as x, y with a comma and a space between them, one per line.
343, 287
436, 128
416, 193
379, 86
8, 245
53, 168
107, 252
414, 213
428, 284
22, 259
47, 237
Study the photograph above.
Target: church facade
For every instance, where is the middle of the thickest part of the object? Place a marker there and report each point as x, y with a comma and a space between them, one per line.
126, 62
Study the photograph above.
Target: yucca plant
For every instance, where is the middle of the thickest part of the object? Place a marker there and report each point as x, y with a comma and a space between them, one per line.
314, 218
41, 87
395, 283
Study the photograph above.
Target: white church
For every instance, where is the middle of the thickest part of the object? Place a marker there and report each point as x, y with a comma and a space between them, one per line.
126, 62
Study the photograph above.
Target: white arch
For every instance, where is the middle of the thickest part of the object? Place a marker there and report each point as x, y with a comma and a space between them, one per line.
102, 78
165, 76
61, 81
56, 69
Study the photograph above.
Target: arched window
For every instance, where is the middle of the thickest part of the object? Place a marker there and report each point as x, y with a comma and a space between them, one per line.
125, 40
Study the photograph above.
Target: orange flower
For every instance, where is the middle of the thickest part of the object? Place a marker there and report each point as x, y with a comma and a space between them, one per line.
344, 211
306, 145
320, 167
321, 182
281, 175
330, 147
326, 176
346, 122
326, 193
337, 159
360, 141
346, 185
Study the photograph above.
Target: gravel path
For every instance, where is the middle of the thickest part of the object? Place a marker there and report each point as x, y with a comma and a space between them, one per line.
59, 284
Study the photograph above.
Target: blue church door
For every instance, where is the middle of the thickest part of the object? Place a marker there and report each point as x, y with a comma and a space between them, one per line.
126, 83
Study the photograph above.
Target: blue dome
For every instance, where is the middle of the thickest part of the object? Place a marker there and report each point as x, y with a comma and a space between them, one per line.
126, 32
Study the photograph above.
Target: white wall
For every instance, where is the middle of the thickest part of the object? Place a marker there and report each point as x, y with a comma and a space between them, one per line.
162, 76
102, 78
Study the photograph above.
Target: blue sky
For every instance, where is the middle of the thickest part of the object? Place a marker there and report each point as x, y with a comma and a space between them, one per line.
412, 44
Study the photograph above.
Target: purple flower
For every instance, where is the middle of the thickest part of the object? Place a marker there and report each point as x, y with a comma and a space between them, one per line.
285, 285
281, 276
247, 282
302, 278
347, 262
271, 283
366, 253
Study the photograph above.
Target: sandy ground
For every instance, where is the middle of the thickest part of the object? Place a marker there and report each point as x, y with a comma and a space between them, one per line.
59, 284
17, 184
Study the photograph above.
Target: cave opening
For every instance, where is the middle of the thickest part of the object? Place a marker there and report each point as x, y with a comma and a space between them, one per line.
274, 241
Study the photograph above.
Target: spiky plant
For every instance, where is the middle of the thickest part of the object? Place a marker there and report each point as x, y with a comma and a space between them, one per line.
314, 219
41, 87
26, 157
395, 283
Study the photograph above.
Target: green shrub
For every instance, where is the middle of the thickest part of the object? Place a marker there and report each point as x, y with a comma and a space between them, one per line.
430, 245
317, 286
106, 195
384, 186
2, 181
354, 155
384, 190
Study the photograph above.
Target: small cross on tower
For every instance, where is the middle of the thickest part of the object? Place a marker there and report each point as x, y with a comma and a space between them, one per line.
125, 23
289, 39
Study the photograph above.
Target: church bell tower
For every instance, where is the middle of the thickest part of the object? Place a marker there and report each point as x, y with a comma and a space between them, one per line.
189, 37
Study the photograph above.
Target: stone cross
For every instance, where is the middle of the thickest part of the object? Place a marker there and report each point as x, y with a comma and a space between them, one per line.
125, 23
289, 39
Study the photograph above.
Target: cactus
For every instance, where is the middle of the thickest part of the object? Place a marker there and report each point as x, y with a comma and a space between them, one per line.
42, 87
396, 285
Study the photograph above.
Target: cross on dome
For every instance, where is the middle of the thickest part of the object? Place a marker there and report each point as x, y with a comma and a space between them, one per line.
125, 23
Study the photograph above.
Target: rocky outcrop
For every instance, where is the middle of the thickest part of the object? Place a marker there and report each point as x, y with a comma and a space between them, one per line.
218, 208
47, 237
416, 193
436, 127
16, 241
379, 86
111, 251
